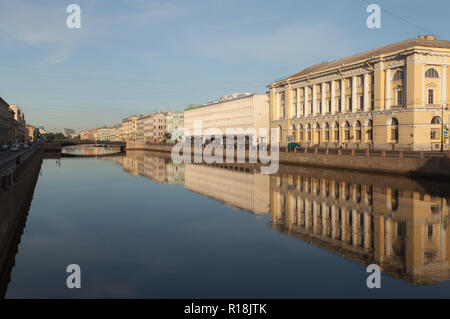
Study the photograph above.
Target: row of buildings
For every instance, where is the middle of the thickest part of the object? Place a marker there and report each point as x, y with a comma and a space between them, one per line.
13, 128
161, 126
393, 98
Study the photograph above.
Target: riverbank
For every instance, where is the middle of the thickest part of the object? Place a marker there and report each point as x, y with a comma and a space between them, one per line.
19, 174
415, 164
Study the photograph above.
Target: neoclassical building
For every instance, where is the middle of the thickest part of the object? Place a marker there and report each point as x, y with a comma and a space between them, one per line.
393, 97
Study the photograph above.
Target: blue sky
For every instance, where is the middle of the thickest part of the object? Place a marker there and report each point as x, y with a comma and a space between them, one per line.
136, 56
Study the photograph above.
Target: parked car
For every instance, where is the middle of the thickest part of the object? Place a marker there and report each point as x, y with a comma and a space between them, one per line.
14, 149
3, 148
26, 145
294, 146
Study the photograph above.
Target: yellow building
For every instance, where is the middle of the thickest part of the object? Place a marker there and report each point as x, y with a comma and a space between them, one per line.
393, 97
129, 128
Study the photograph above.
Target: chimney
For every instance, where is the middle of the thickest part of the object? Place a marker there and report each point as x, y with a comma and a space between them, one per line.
427, 37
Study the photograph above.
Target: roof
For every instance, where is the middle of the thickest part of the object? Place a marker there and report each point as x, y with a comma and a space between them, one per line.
421, 41
225, 98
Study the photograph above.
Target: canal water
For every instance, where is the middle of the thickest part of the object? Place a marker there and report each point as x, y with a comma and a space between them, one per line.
140, 226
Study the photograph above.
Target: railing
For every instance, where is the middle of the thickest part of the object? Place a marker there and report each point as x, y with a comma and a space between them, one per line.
368, 153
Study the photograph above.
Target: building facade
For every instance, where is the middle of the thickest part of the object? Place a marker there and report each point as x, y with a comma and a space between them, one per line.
174, 126
234, 111
5, 120
19, 131
392, 98
129, 128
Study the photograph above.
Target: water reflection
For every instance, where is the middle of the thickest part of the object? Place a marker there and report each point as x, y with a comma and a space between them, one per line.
395, 222
404, 230
90, 149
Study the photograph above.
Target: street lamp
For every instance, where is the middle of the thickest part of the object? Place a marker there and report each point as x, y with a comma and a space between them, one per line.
444, 107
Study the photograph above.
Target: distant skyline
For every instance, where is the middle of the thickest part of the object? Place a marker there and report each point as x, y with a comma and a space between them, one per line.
136, 57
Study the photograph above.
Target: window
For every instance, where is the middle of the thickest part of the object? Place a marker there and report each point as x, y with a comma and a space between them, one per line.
435, 133
347, 131
358, 131
361, 102
394, 130
436, 120
431, 73
329, 106
303, 109
338, 104
336, 131
399, 97
319, 103
327, 132
369, 132
372, 101
349, 103
430, 96
300, 132
310, 108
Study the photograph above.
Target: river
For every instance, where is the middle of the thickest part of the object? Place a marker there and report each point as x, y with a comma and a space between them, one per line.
140, 226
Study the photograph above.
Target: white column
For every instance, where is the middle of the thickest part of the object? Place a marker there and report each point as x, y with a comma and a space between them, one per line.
342, 95
444, 84
277, 106
366, 92
322, 90
298, 102
388, 89
305, 92
332, 97
314, 99
354, 104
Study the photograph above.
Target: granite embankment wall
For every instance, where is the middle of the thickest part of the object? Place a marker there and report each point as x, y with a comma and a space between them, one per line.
18, 176
420, 164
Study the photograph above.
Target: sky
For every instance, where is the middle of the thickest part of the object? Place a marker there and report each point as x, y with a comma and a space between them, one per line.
135, 56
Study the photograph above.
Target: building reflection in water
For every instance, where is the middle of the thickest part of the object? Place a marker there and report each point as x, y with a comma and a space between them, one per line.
401, 228
395, 222
232, 186
151, 165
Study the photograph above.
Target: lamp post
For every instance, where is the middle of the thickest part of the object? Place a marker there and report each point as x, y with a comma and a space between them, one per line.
444, 107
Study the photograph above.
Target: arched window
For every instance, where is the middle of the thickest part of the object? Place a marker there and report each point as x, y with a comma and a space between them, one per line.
394, 130
308, 132
300, 132
431, 73
399, 75
336, 131
347, 131
292, 133
326, 132
317, 133
369, 131
435, 129
436, 120
358, 131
